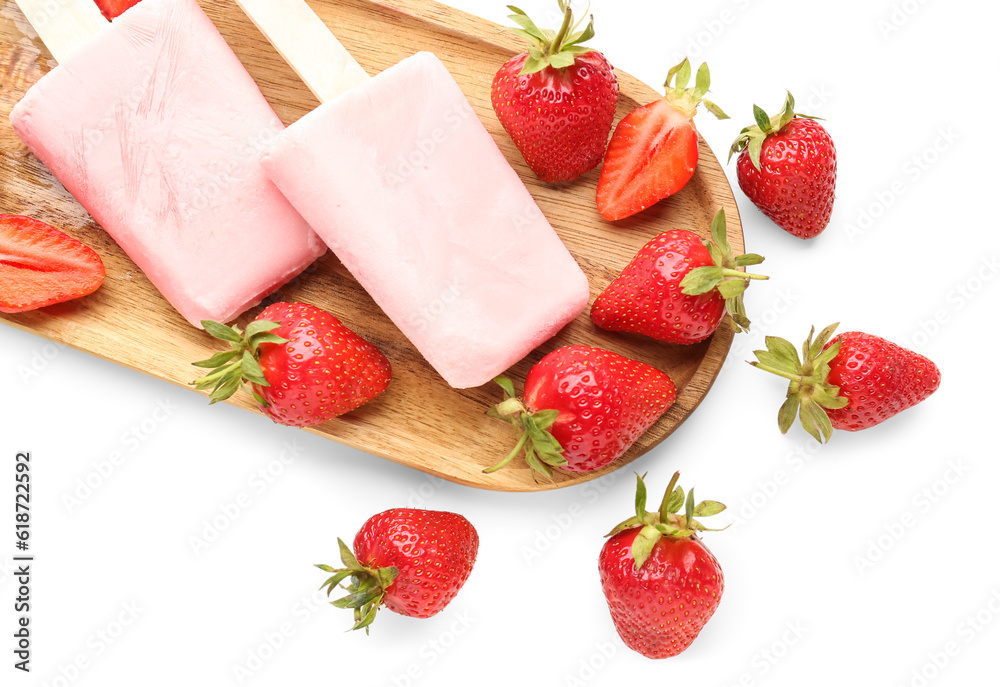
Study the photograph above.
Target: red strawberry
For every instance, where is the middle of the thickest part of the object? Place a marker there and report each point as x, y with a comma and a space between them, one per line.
583, 408
678, 288
304, 365
40, 265
788, 168
854, 382
413, 561
661, 582
112, 8
654, 150
558, 100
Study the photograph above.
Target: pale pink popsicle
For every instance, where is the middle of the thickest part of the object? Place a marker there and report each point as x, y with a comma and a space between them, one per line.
404, 183
156, 128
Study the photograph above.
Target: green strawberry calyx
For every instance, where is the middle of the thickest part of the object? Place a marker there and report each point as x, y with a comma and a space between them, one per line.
687, 99
366, 591
753, 137
724, 276
669, 521
541, 449
232, 369
548, 48
810, 395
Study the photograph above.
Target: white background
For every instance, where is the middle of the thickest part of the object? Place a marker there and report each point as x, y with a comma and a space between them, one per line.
817, 592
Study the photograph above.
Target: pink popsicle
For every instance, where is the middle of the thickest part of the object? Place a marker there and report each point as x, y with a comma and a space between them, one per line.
156, 128
407, 187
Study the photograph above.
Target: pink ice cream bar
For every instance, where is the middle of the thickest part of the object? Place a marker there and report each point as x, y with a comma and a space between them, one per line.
156, 128
406, 186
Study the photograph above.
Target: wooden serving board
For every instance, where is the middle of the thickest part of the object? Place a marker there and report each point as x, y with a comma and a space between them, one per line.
419, 421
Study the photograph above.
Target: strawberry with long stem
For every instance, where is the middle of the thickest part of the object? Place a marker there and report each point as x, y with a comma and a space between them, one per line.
679, 287
582, 408
852, 382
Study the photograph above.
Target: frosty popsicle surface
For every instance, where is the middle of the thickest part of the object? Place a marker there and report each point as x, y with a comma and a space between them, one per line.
156, 128
408, 188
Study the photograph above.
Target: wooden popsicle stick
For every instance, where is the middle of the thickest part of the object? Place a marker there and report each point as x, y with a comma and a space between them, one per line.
63, 25
307, 45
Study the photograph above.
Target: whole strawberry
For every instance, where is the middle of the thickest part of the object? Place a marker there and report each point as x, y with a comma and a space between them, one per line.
788, 168
661, 582
557, 101
303, 364
412, 561
583, 407
678, 288
654, 150
853, 382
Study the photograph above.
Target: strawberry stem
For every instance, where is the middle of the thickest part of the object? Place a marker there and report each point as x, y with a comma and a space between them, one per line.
781, 373
230, 369
517, 449
665, 503
556, 46
742, 275
668, 521
511, 406
809, 394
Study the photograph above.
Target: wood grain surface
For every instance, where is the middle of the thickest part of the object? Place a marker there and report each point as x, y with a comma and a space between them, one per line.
419, 421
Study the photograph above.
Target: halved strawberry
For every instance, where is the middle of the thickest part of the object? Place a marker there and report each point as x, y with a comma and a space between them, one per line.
40, 265
654, 151
112, 8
